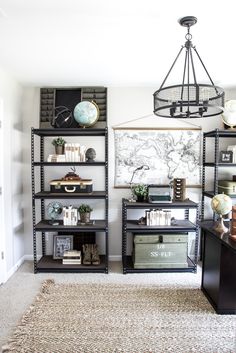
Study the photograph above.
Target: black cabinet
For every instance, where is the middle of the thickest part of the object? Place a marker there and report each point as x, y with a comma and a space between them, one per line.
40, 193
131, 226
219, 269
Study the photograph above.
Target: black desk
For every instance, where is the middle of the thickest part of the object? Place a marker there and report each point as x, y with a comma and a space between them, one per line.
219, 269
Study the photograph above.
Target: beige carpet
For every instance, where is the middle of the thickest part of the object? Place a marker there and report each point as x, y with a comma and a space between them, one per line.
104, 318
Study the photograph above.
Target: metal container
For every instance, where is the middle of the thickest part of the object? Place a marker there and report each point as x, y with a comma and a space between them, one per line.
227, 187
160, 251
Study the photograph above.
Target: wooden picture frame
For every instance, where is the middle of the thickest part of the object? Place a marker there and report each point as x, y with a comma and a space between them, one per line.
60, 244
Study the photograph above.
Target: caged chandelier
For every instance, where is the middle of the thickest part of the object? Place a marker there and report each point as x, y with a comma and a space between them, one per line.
188, 99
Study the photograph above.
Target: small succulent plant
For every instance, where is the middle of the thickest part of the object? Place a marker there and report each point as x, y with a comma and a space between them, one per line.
84, 208
59, 141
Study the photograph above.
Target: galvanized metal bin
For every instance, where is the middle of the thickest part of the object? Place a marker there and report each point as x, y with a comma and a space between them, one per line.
160, 251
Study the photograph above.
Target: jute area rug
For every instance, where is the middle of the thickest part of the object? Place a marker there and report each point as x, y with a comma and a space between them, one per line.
104, 318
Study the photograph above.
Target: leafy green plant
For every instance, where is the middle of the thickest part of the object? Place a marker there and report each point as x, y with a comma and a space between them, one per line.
140, 190
84, 208
59, 141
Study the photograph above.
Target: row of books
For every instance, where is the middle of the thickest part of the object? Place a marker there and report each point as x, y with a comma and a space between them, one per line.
158, 218
70, 216
71, 257
73, 152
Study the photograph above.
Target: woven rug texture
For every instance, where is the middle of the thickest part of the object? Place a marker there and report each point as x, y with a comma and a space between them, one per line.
112, 318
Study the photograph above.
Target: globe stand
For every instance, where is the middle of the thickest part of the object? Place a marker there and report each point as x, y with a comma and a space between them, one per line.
220, 227
231, 126
53, 222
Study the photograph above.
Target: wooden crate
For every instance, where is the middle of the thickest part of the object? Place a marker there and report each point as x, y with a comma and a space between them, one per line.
160, 251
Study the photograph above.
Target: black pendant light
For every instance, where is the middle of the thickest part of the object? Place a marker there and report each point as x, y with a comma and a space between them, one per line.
189, 99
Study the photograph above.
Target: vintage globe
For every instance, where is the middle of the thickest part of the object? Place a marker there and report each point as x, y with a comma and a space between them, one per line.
221, 204
229, 113
86, 113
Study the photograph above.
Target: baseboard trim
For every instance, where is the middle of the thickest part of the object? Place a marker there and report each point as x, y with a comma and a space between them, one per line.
14, 268
31, 258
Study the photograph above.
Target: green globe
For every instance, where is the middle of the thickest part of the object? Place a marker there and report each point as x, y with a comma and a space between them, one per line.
86, 113
221, 204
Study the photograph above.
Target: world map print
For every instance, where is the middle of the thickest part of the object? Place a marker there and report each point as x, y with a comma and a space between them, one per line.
163, 154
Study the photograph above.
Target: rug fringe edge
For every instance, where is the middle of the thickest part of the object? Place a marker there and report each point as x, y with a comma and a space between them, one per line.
12, 342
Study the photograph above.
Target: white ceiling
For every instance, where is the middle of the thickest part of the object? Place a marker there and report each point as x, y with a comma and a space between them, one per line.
112, 42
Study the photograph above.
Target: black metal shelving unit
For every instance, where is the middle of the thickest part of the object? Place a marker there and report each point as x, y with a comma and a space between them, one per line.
216, 134
130, 226
46, 263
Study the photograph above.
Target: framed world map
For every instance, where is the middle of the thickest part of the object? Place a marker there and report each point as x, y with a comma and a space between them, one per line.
157, 156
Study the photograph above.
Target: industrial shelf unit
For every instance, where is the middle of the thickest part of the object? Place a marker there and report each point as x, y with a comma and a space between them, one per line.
47, 263
215, 164
130, 226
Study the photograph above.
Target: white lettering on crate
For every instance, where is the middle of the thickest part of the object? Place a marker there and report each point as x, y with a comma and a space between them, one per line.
161, 253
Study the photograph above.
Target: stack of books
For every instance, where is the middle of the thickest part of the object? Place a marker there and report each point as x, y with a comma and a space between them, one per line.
70, 216
71, 257
56, 158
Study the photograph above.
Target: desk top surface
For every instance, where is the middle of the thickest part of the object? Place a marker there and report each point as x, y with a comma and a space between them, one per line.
208, 226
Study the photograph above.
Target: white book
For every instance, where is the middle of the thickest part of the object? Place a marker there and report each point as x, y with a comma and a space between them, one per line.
82, 153
65, 217
72, 152
77, 152
71, 261
66, 151
148, 218
162, 218
158, 217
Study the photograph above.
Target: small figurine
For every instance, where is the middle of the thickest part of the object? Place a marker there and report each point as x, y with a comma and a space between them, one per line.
90, 155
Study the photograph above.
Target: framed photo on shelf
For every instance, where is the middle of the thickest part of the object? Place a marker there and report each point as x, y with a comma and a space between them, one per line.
226, 157
61, 243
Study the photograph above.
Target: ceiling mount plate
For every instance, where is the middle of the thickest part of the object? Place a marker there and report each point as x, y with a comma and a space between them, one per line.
188, 21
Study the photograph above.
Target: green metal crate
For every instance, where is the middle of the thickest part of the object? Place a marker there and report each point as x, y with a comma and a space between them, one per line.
160, 251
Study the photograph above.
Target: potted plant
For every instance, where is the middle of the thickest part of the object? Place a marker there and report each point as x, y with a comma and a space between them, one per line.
84, 212
59, 143
140, 191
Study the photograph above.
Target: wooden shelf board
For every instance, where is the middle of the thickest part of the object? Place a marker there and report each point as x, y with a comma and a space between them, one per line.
45, 226
58, 164
47, 264
65, 195
181, 225
99, 129
183, 204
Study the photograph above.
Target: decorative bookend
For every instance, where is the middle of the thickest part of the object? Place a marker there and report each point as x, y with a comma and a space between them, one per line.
179, 189
233, 224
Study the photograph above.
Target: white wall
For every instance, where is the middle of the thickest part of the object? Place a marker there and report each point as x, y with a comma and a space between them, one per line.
12, 131
124, 104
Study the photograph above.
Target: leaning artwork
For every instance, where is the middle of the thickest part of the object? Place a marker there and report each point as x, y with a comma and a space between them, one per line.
157, 156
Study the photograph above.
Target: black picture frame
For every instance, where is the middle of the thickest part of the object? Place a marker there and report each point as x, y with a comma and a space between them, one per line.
61, 243
226, 157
